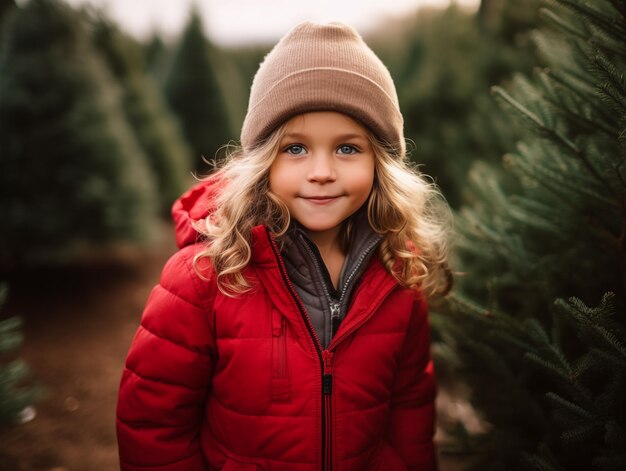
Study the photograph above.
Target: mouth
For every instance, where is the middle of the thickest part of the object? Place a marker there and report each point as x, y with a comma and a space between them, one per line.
322, 199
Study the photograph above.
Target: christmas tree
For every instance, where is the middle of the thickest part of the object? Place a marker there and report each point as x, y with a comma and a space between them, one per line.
193, 91
537, 324
443, 62
155, 56
154, 126
72, 175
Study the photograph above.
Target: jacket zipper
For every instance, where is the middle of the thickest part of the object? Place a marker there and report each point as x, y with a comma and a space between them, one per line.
335, 317
326, 357
327, 389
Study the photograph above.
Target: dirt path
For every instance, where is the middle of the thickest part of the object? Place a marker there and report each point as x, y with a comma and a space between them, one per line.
78, 325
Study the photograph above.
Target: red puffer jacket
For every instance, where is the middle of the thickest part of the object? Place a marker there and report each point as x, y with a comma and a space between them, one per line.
213, 382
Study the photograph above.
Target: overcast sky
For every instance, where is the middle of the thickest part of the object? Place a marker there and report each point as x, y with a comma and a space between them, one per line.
230, 22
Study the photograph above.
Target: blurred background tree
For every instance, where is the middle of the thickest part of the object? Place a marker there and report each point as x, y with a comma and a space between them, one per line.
156, 57
72, 174
5, 7
443, 63
153, 124
194, 93
537, 325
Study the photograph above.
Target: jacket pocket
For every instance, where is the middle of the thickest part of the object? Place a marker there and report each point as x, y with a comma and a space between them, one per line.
280, 382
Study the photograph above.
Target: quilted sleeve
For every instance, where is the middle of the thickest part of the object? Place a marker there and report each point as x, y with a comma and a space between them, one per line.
167, 374
412, 424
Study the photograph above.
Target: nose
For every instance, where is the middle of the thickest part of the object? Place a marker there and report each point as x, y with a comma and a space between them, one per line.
322, 168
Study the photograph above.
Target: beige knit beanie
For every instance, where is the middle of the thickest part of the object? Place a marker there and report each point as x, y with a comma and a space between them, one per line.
323, 67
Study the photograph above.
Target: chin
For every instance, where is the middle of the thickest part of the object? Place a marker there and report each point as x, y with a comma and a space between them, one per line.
314, 228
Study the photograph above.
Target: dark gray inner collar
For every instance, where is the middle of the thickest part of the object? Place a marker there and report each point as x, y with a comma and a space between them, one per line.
298, 248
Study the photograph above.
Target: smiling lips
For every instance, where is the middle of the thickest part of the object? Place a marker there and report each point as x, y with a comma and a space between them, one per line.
320, 199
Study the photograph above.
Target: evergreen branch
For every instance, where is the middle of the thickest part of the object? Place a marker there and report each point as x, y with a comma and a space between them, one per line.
10, 336
580, 433
561, 80
486, 317
607, 42
546, 177
12, 373
534, 327
583, 364
608, 359
549, 16
475, 223
9, 325
542, 338
591, 318
550, 132
611, 340
615, 89
468, 305
583, 313
538, 463
575, 409
592, 16
540, 222
548, 366
541, 127
563, 375
586, 51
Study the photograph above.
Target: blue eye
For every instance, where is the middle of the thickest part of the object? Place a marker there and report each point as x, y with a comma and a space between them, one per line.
295, 146
349, 149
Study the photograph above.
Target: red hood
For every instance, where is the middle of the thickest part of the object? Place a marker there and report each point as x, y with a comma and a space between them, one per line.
196, 203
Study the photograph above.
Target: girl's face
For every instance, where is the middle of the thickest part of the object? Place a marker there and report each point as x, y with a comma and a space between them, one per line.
324, 171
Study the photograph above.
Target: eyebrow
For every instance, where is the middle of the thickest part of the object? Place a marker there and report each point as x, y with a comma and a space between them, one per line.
342, 136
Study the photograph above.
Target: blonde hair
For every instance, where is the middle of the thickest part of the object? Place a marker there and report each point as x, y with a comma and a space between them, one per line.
408, 211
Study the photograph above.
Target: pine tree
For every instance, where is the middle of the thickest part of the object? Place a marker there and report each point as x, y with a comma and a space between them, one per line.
72, 175
194, 94
539, 319
155, 57
154, 126
443, 63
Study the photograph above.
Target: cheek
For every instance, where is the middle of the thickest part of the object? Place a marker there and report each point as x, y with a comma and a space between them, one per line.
274, 178
362, 180
280, 179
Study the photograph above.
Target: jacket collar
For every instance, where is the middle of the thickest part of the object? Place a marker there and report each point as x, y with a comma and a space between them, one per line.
268, 266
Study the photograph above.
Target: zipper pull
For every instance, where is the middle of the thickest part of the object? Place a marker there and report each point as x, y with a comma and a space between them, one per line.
327, 378
334, 317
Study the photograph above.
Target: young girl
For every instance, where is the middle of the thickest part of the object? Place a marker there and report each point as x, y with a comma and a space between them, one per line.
294, 335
